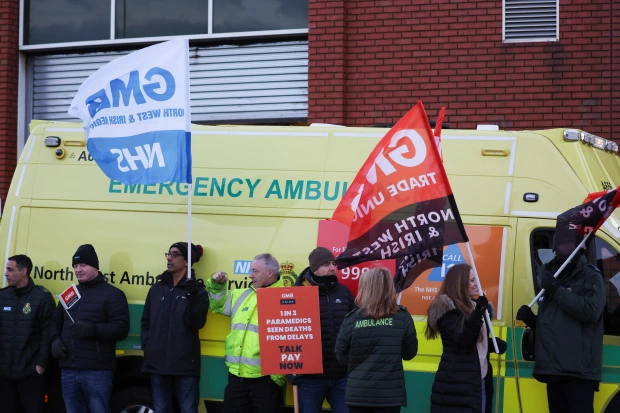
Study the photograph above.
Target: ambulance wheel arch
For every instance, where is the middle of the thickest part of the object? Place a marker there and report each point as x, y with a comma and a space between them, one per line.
132, 400
614, 404
132, 389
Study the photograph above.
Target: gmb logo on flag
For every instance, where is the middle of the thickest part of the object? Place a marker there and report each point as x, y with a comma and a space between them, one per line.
136, 115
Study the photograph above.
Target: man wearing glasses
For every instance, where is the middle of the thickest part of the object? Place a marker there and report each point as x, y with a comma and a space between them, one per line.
175, 310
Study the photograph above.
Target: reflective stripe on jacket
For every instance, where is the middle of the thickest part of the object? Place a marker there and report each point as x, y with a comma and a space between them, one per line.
242, 355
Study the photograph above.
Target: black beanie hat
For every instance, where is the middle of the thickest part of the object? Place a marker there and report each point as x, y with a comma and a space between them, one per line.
320, 256
197, 250
86, 254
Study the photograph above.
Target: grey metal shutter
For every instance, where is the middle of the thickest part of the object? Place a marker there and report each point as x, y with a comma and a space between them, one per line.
531, 20
256, 83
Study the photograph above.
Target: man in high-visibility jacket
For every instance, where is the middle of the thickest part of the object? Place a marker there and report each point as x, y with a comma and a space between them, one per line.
247, 391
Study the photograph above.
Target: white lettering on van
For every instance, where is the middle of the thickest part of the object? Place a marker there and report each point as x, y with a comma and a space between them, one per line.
146, 156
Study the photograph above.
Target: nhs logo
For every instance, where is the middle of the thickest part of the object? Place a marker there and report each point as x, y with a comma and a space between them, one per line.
242, 267
145, 154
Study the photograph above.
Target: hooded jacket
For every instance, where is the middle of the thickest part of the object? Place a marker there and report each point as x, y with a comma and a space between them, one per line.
335, 301
24, 329
170, 324
458, 383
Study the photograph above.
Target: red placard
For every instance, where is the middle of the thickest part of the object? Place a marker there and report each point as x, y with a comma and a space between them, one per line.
289, 328
69, 297
333, 235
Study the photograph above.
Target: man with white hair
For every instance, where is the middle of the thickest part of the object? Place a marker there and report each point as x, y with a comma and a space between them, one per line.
248, 391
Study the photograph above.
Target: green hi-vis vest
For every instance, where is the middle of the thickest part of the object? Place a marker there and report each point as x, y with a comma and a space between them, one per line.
242, 354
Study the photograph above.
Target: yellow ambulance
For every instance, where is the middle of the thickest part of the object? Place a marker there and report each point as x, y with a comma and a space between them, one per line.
269, 189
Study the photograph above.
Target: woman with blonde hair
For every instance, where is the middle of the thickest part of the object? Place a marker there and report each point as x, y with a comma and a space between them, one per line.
464, 381
373, 341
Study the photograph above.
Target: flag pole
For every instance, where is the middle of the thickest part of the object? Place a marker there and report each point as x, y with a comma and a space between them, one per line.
570, 257
486, 312
189, 230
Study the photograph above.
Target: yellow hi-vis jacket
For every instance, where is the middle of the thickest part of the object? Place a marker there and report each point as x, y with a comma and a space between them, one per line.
242, 354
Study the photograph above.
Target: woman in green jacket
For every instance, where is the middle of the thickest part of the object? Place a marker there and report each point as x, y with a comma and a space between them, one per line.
373, 341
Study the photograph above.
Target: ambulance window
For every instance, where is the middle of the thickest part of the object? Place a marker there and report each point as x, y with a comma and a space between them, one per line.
541, 243
608, 262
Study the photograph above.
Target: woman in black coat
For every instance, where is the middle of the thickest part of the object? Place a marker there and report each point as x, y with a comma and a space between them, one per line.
464, 380
373, 341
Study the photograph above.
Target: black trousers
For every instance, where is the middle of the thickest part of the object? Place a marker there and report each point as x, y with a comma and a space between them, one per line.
571, 396
26, 394
366, 409
260, 395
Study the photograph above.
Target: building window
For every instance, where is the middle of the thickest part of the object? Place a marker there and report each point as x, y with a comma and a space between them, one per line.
259, 15
49, 22
153, 18
531, 21
61, 21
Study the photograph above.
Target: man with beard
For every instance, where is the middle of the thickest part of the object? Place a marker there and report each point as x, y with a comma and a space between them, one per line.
336, 301
175, 310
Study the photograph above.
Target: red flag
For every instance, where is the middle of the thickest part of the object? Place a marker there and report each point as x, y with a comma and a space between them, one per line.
572, 225
437, 131
400, 204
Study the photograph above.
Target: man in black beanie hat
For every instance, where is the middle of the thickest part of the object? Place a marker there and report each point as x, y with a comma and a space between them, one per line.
336, 301
84, 336
178, 306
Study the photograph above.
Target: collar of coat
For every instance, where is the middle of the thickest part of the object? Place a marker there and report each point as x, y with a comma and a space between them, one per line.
305, 279
167, 278
443, 304
97, 280
25, 289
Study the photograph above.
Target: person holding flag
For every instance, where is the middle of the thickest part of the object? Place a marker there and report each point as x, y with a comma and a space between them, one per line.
569, 326
464, 379
174, 312
84, 336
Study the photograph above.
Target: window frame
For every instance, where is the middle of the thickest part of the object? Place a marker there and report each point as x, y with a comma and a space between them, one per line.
112, 41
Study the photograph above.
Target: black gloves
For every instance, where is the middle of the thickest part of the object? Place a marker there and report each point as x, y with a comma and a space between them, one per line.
481, 304
549, 283
83, 330
191, 287
526, 315
59, 350
294, 379
501, 345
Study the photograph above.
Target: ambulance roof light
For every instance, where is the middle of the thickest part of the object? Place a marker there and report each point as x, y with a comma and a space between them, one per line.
571, 135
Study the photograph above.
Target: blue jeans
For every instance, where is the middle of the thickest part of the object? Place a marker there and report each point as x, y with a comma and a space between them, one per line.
87, 391
185, 388
312, 390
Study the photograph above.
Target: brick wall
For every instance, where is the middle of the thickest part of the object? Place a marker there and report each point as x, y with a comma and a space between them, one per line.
9, 61
370, 61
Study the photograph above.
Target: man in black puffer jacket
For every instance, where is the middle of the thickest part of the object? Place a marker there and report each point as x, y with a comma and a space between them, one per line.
336, 301
24, 338
175, 310
85, 342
